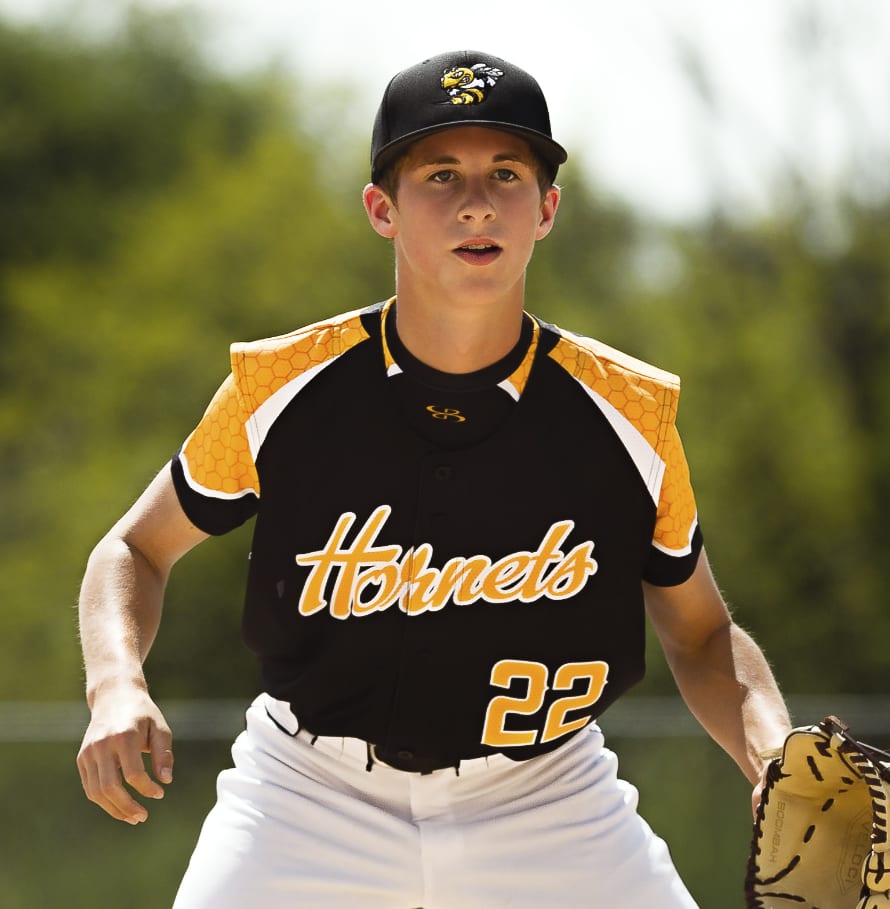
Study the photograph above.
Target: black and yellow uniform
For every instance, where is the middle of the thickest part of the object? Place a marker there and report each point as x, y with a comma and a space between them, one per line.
446, 564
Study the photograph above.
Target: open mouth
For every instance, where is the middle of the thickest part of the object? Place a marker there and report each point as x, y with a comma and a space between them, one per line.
478, 253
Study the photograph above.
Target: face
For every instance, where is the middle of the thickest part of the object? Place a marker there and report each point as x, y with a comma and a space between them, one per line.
468, 214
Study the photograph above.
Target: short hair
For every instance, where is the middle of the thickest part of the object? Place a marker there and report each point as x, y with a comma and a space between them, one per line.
389, 177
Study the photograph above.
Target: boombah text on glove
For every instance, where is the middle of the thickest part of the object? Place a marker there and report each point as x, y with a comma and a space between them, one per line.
365, 578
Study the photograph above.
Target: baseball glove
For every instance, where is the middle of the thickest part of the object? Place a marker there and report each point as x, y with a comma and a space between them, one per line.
820, 837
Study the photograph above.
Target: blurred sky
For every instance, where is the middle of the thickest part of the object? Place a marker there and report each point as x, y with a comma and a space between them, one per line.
669, 103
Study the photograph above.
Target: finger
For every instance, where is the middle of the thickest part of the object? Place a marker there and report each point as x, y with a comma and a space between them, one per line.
102, 784
84, 772
756, 798
132, 769
115, 798
161, 746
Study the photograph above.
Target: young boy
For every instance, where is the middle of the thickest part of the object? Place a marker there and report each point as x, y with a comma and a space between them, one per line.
463, 515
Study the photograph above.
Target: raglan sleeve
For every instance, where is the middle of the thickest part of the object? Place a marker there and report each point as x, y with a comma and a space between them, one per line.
677, 540
214, 473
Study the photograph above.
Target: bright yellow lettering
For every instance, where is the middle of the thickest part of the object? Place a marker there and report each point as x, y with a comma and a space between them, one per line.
471, 580
343, 576
387, 578
347, 561
572, 573
511, 570
547, 553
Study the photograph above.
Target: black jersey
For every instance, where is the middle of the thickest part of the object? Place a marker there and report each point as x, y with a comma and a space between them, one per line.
445, 563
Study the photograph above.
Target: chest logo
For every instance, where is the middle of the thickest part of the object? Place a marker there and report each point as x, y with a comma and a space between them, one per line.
363, 577
446, 413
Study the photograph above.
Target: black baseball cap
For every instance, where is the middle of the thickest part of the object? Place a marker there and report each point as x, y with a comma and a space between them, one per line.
464, 88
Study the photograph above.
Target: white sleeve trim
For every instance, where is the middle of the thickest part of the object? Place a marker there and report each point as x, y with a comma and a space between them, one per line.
649, 465
264, 417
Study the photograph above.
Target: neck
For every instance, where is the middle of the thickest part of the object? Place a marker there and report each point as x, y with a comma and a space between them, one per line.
458, 340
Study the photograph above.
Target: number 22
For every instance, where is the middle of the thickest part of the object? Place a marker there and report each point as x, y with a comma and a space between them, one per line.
536, 675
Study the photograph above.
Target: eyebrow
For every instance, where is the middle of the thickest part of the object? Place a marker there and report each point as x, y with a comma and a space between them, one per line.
516, 156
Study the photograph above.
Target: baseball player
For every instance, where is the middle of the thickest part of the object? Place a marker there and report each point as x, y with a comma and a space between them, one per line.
462, 516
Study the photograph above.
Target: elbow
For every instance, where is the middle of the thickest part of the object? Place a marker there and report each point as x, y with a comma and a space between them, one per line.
119, 556
707, 645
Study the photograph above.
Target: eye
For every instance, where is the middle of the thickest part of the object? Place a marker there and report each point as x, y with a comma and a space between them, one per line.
505, 175
442, 176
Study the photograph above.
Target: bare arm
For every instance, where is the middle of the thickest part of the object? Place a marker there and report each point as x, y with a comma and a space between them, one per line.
721, 672
121, 601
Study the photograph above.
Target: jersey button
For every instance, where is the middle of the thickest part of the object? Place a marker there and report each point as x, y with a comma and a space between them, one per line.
403, 754
442, 473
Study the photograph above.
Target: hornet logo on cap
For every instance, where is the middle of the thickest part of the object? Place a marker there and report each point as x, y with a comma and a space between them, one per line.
469, 85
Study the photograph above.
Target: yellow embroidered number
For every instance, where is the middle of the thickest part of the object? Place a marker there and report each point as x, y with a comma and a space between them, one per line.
594, 674
504, 673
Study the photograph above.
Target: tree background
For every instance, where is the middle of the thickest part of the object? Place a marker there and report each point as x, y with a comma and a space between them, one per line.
154, 208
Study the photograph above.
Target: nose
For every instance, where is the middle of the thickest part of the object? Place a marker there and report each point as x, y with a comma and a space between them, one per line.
476, 204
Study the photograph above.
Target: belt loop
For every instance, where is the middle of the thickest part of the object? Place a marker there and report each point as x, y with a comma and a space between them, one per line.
370, 760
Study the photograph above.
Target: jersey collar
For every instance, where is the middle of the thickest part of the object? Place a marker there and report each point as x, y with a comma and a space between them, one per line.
513, 383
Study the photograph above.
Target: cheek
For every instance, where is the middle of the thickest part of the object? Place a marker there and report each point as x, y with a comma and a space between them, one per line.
526, 211
416, 224
413, 245
534, 230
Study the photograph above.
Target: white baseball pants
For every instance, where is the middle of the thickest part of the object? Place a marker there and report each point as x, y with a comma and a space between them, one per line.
306, 826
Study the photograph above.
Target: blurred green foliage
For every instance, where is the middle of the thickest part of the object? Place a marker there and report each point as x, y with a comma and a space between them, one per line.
153, 209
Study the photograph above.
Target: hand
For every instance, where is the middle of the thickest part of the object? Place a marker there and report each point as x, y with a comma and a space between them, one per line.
757, 795
124, 726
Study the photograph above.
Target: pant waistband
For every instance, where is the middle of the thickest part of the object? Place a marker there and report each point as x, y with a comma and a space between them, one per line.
405, 760
410, 761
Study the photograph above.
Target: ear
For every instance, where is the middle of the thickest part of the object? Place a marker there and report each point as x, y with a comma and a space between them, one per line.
380, 209
548, 212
